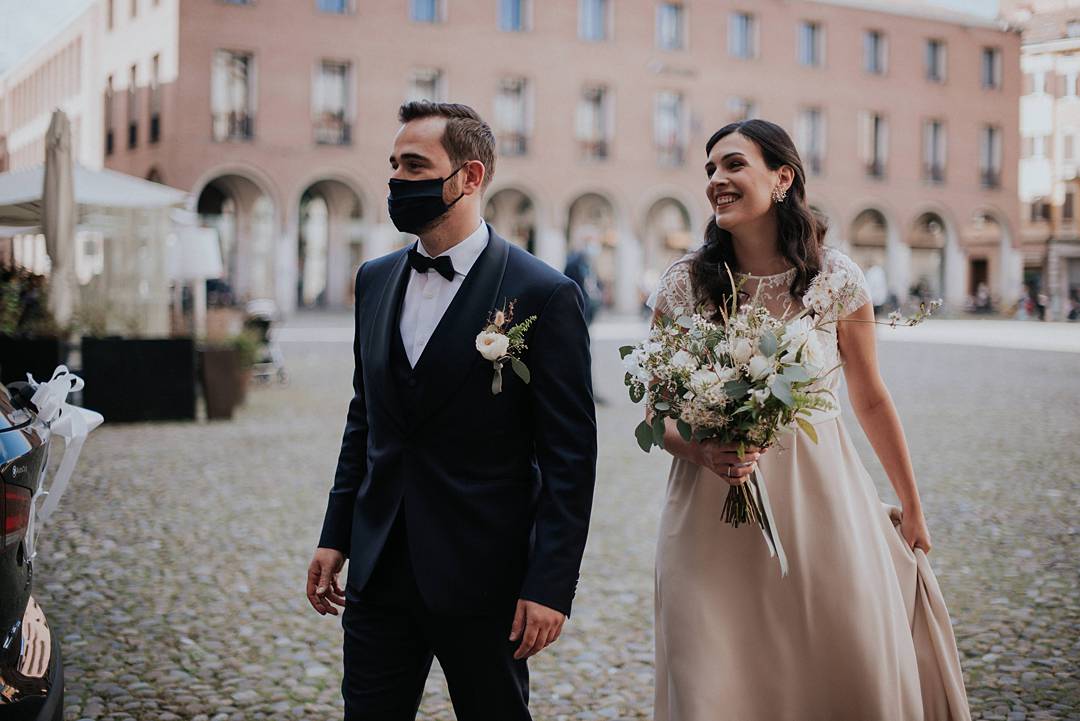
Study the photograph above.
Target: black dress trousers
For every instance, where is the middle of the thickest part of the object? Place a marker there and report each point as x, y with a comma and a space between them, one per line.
391, 638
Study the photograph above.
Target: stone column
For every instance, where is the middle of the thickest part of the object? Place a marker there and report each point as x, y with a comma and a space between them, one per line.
551, 247
897, 264
629, 264
286, 266
955, 270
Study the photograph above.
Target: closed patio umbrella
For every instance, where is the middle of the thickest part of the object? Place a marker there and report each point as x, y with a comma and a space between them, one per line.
58, 216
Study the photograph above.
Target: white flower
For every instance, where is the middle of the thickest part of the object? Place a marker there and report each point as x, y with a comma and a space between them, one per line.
492, 346
797, 331
725, 374
760, 367
702, 380
741, 349
760, 396
813, 356
652, 347
682, 360
632, 364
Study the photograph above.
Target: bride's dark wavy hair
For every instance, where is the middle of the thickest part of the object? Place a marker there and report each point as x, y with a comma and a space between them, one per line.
801, 229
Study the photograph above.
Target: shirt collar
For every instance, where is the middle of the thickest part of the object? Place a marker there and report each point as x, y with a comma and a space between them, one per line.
465, 254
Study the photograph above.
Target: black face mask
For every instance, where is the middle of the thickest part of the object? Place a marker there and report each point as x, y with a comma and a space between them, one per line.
415, 204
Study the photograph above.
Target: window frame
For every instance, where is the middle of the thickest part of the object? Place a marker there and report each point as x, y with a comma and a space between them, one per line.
748, 22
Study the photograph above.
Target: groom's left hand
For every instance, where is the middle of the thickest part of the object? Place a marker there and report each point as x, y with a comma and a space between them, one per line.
536, 625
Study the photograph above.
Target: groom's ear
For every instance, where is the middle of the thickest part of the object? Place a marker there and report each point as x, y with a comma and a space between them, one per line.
474, 174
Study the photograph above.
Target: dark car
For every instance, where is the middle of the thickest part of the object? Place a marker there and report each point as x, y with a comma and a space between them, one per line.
31, 668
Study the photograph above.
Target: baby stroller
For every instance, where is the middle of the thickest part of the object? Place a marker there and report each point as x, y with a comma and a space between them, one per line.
269, 361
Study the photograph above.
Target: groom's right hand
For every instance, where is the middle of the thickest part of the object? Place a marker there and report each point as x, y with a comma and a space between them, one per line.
322, 583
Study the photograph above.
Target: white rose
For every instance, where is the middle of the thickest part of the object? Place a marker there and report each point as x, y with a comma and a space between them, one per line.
761, 396
813, 356
797, 331
704, 381
741, 350
684, 361
726, 374
760, 366
492, 346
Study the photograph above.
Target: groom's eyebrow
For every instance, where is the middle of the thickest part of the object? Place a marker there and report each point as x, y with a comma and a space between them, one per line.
415, 157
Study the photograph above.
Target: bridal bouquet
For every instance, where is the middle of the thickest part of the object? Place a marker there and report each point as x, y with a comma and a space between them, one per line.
743, 380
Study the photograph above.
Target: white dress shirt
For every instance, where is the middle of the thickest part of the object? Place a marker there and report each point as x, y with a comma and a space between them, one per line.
428, 295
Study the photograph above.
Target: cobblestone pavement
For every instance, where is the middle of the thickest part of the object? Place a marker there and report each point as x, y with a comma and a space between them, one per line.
174, 568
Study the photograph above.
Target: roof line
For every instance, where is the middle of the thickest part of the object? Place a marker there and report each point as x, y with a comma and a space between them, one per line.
955, 17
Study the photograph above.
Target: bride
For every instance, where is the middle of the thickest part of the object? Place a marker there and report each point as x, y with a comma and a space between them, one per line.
858, 630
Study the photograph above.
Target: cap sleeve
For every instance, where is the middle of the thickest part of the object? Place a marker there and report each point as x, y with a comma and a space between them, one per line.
674, 293
836, 261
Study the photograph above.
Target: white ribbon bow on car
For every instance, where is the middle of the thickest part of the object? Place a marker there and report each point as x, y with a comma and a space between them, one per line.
71, 423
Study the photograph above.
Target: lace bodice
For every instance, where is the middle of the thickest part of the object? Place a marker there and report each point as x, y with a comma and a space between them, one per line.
675, 292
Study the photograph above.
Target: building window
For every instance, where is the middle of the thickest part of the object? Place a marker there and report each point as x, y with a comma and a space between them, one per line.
155, 99
742, 36
427, 84
426, 11
134, 9
810, 138
232, 95
935, 61
1068, 150
1068, 208
874, 143
334, 7
991, 68
110, 14
593, 123
1040, 211
1072, 29
593, 18
874, 52
132, 108
110, 100
1038, 83
331, 103
811, 44
512, 116
741, 109
669, 126
513, 16
934, 151
671, 26
990, 157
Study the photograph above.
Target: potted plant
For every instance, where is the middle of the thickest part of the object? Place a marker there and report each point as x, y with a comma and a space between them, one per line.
30, 341
246, 345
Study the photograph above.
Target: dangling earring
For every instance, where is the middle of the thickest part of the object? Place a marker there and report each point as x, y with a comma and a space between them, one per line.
778, 194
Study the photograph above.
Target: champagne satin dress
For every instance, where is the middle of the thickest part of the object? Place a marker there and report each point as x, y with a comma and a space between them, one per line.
858, 630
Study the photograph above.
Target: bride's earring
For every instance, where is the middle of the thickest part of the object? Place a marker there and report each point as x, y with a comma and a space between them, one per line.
778, 194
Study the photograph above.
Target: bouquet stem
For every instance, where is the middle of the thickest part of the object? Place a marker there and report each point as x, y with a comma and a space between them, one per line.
741, 505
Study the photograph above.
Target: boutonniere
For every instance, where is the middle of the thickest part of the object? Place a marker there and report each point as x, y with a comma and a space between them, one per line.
502, 342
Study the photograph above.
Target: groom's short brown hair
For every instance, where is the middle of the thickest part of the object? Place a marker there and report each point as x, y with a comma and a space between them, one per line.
467, 136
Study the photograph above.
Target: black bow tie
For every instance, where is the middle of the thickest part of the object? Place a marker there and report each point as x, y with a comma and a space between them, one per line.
422, 264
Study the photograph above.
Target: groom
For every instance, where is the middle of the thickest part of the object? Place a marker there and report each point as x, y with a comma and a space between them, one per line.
463, 511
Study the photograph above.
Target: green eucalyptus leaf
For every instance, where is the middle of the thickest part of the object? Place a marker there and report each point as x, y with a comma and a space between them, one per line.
637, 393
807, 428
686, 322
736, 389
521, 369
781, 389
796, 374
644, 436
626, 350
768, 343
658, 428
684, 430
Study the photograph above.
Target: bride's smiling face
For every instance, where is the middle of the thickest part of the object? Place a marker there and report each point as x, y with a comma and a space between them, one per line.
740, 183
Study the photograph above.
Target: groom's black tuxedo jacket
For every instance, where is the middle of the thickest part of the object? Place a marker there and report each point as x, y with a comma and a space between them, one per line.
496, 490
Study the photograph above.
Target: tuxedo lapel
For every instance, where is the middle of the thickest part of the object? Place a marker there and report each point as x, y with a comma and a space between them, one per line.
384, 331
451, 352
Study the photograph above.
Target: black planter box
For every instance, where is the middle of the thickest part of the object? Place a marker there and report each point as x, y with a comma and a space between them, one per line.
39, 356
134, 379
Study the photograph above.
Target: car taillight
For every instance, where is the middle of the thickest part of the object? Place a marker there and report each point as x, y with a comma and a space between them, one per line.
16, 509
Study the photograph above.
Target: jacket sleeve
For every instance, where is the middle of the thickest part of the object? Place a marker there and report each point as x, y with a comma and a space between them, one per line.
352, 460
564, 419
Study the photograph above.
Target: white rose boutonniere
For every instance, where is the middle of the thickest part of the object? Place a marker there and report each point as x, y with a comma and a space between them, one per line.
502, 342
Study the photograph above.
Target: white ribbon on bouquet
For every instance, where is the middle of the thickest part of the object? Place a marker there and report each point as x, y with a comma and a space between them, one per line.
71, 423
769, 530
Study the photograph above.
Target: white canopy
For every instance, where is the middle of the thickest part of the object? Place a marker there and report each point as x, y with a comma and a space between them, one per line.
20, 193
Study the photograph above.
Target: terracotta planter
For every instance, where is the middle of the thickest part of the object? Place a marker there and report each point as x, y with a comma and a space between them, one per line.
220, 373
